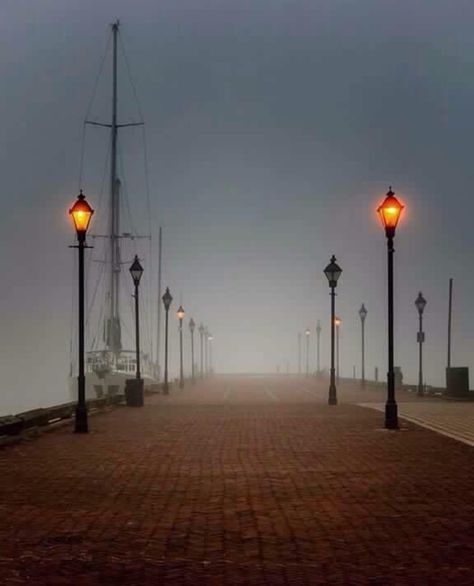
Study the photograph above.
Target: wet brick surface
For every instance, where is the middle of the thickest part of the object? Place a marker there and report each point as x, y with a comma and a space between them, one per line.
236, 482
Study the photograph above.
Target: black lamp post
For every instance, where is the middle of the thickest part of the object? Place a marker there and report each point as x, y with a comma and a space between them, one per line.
192, 325
134, 386
363, 315
136, 270
81, 213
180, 314
299, 353
420, 303
389, 212
333, 272
167, 299
318, 336
201, 336
337, 323
307, 334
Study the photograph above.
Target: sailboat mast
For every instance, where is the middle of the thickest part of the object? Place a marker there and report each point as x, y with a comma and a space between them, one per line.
158, 332
114, 321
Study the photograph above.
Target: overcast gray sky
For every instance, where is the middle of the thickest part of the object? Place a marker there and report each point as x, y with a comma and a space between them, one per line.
274, 129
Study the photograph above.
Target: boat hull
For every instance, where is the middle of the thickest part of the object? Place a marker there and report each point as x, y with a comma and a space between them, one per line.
108, 386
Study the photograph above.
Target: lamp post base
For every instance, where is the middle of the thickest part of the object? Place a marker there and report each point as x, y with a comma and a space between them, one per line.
181, 384
81, 424
166, 390
134, 392
391, 415
420, 392
332, 399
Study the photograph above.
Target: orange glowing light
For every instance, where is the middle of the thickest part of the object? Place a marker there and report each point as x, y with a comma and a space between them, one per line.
337, 321
180, 313
390, 211
81, 213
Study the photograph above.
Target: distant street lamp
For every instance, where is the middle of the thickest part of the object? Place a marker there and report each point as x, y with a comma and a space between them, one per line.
201, 335
180, 314
337, 323
420, 303
318, 337
192, 325
389, 211
299, 353
167, 299
333, 272
363, 315
307, 334
81, 213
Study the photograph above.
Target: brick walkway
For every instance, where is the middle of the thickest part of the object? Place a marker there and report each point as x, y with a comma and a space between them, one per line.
238, 481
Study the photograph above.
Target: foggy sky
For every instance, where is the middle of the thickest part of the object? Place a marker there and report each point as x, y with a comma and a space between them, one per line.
274, 129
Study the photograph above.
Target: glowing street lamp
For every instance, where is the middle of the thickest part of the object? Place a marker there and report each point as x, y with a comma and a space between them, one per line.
192, 326
420, 303
180, 314
363, 315
167, 299
390, 211
333, 272
81, 213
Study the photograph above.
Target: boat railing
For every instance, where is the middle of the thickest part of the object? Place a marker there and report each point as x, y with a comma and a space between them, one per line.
102, 363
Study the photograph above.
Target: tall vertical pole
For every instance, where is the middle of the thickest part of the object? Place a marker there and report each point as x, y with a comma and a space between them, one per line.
391, 408
81, 423
165, 385
307, 354
332, 399
210, 356
318, 334
181, 376
113, 326
363, 353
137, 332
337, 353
206, 353
193, 379
420, 392
299, 353
158, 315
450, 308
201, 334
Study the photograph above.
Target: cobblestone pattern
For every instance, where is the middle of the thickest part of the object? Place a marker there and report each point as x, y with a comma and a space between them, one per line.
237, 482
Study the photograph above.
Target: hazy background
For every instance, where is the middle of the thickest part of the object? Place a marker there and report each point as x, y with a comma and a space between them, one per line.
274, 129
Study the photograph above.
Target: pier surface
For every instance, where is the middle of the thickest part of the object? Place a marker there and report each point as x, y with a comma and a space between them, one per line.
243, 481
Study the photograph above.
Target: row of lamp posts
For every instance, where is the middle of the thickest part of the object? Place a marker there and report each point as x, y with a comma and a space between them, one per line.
81, 213
389, 212
205, 345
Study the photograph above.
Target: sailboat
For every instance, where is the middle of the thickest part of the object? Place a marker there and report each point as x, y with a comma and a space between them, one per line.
108, 362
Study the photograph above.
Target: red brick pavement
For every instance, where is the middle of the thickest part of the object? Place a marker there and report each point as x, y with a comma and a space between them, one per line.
238, 481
